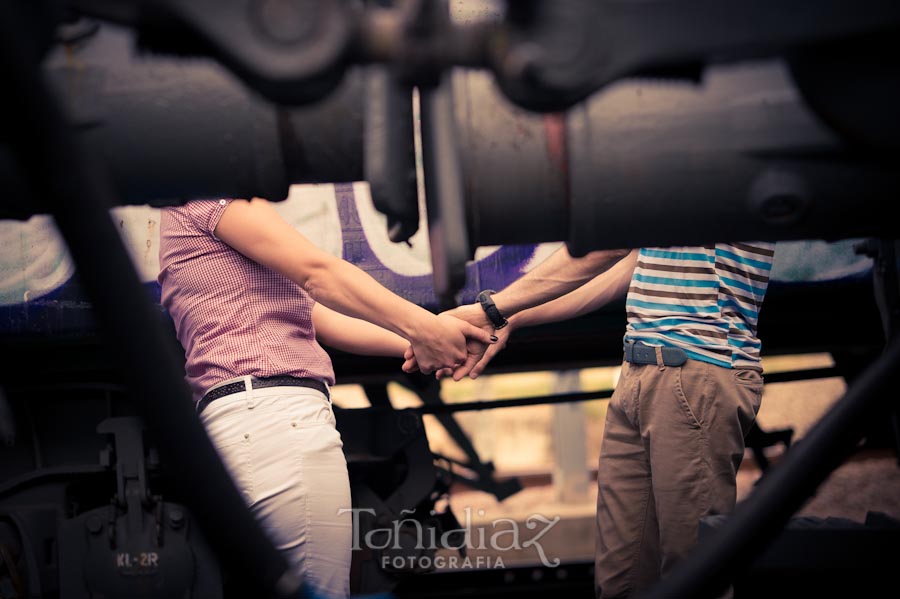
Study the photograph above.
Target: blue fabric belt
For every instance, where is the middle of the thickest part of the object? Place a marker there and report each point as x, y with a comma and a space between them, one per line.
639, 353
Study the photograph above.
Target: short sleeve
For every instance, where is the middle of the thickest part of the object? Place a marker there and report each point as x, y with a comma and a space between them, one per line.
205, 214
215, 215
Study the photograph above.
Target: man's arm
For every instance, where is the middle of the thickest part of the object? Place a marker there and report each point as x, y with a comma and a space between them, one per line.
559, 274
596, 293
257, 231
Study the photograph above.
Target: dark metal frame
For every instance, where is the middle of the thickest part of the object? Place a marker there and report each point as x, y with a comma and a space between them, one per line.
74, 190
77, 195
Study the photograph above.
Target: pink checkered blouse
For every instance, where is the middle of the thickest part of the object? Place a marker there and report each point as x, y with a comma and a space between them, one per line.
233, 316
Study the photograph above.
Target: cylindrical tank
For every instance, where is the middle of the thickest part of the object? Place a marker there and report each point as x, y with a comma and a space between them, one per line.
171, 129
647, 162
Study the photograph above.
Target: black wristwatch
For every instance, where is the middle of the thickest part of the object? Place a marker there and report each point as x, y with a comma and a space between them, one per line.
493, 314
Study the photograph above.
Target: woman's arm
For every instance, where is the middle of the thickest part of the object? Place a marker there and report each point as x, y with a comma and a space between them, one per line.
354, 335
257, 231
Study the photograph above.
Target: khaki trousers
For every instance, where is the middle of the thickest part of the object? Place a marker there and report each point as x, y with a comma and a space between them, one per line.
672, 445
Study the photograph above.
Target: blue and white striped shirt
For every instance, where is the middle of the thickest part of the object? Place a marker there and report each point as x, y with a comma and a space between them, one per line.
705, 300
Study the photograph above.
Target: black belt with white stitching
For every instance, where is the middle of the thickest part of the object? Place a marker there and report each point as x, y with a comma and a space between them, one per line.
259, 383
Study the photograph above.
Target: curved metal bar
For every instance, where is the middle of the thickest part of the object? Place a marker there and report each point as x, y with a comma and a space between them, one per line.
444, 195
762, 516
390, 152
72, 188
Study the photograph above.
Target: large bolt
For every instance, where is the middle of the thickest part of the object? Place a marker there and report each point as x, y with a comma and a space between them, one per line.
779, 197
286, 21
94, 524
176, 518
408, 422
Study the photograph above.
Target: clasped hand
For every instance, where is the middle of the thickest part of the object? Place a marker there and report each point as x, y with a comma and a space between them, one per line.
480, 345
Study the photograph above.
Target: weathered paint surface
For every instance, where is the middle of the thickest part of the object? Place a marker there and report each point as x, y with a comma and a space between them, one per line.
39, 292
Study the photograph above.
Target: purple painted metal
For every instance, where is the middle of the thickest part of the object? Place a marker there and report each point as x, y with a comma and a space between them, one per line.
495, 271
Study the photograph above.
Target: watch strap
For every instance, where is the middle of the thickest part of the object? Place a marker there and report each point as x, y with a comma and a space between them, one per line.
493, 314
